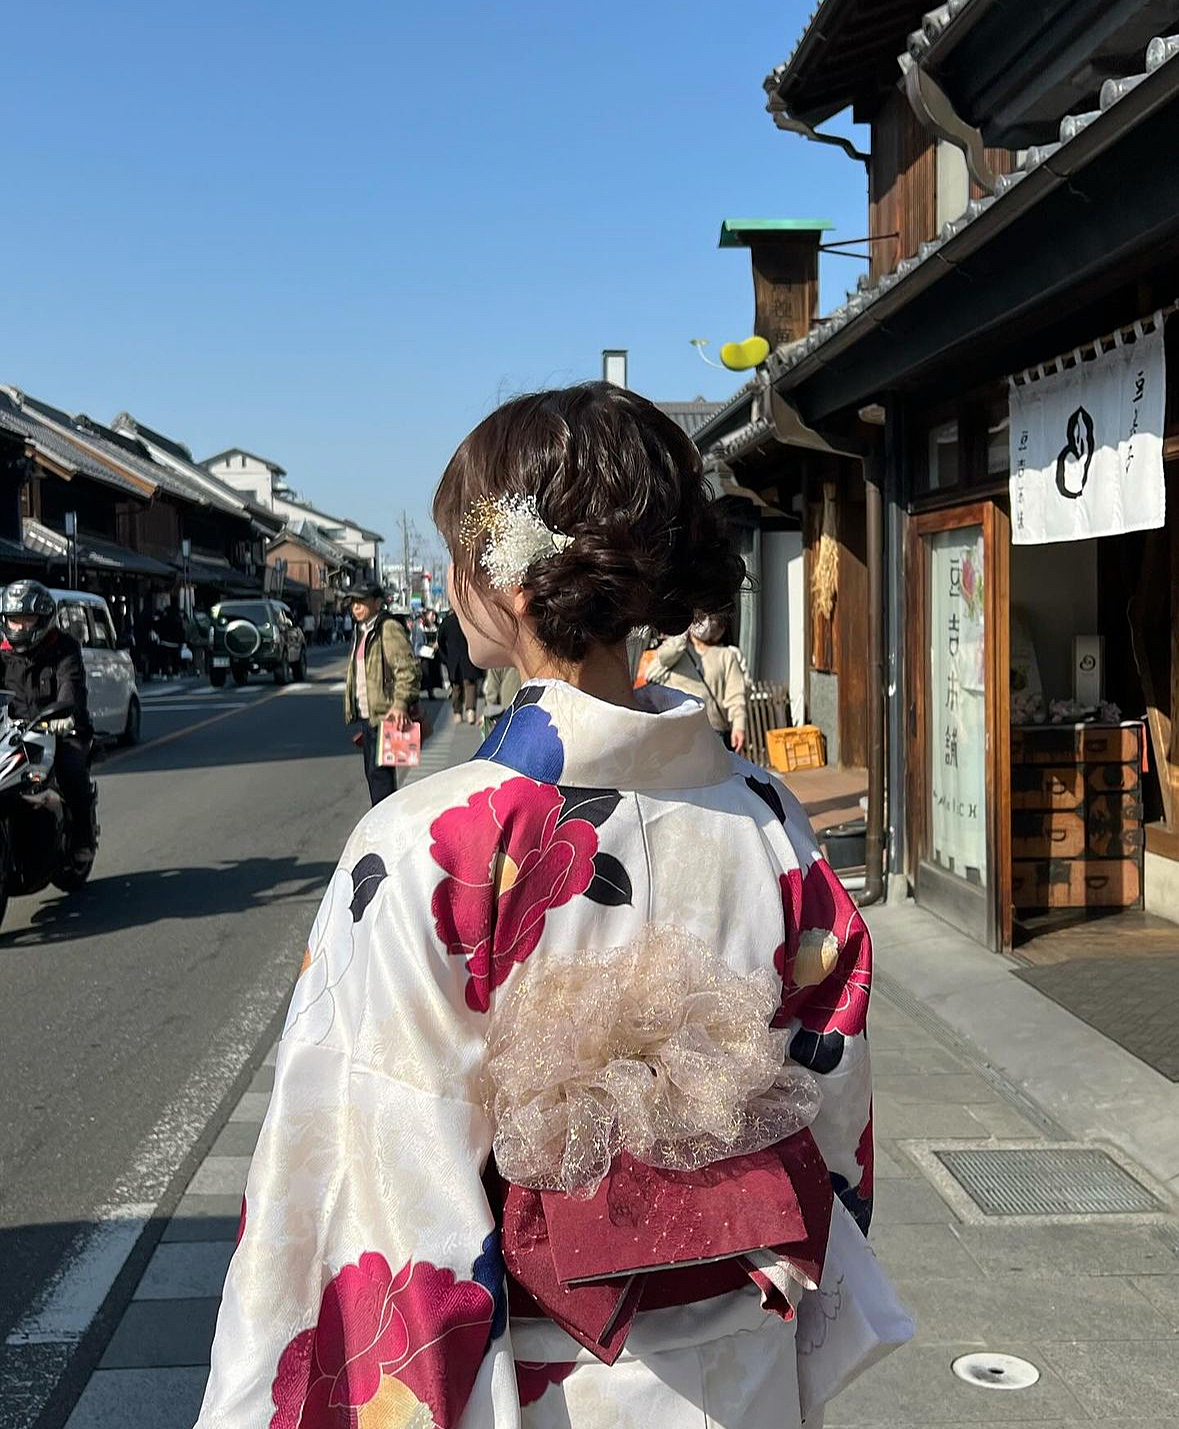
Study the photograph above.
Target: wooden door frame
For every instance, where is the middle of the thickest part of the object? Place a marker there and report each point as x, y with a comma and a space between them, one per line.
993, 518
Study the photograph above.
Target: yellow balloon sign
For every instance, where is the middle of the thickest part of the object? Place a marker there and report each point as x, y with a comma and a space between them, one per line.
740, 356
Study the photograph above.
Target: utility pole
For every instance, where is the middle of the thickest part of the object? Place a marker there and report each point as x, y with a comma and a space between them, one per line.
405, 557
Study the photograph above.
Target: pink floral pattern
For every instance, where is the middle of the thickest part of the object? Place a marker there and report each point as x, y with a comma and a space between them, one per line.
533, 1379
509, 858
840, 1002
422, 1327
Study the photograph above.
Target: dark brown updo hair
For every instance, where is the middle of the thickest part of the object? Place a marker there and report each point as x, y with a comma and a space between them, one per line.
614, 473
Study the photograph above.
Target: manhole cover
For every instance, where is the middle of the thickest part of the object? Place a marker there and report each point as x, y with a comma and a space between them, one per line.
996, 1371
1048, 1181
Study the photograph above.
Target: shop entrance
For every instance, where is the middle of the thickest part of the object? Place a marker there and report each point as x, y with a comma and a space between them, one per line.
960, 831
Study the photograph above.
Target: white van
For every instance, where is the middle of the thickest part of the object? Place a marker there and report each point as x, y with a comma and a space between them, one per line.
110, 672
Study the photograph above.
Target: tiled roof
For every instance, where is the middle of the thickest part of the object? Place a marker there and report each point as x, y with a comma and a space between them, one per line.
691, 416
933, 26
783, 359
64, 451
309, 535
176, 458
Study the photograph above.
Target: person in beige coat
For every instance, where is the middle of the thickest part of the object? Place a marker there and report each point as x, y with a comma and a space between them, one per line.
698, 664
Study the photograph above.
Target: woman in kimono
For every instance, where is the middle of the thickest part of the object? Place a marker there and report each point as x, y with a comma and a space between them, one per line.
591, 1003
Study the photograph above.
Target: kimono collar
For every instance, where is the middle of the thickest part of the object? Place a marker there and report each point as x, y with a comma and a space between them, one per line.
559, 735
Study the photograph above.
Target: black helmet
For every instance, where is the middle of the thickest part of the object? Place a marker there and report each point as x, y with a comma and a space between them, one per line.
27, 598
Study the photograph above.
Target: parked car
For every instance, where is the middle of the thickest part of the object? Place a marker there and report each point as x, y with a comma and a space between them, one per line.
111, 691
255, 635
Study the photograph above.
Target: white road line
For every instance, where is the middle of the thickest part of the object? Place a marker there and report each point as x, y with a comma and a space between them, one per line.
63, 1311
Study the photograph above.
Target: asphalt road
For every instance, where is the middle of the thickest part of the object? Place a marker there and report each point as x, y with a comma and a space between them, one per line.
129, 1010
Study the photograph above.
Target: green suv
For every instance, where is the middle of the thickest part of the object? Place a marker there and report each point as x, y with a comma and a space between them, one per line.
255, 635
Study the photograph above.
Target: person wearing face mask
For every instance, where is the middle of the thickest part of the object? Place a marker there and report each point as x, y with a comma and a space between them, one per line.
698, 664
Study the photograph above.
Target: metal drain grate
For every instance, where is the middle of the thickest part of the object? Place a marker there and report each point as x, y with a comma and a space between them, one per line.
1052, 1181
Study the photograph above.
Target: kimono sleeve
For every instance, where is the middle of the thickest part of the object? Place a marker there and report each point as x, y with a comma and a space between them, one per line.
825, 962
367, 1283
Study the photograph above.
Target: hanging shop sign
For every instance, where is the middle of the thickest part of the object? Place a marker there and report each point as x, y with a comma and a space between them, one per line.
1087, 441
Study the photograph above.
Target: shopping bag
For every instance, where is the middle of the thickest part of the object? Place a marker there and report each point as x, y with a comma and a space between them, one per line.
399, 748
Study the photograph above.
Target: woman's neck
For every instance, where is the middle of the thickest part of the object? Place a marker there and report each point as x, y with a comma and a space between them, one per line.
604, 673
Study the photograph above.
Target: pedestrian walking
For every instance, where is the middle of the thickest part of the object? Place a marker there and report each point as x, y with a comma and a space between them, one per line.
500, 688
382, 683
659, 1186
463, 672
700, 664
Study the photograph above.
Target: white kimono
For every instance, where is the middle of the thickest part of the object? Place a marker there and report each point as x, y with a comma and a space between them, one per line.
367, 1290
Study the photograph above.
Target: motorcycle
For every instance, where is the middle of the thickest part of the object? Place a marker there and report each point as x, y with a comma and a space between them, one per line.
36, 844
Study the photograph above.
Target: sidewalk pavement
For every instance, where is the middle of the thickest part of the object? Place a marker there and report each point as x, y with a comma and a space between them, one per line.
966, 1057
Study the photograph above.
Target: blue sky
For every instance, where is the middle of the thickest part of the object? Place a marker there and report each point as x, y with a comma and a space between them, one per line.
339, 235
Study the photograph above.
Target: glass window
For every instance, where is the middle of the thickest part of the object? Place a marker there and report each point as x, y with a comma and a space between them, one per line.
999, 443
104, 635
71, 617
943, 461
252, 610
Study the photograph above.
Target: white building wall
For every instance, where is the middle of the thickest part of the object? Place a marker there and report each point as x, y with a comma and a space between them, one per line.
253, 478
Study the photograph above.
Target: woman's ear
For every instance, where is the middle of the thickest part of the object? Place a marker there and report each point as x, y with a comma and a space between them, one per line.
520, 602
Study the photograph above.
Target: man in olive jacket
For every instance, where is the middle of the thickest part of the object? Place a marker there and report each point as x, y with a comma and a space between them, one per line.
383, 682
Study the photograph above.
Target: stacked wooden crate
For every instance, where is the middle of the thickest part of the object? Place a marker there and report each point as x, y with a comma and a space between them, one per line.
1076, 800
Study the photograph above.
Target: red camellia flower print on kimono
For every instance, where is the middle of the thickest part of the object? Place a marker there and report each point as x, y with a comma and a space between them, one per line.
509, 856
388, 1351
825, 962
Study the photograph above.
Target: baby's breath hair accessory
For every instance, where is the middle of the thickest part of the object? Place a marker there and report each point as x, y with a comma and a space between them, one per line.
514, 537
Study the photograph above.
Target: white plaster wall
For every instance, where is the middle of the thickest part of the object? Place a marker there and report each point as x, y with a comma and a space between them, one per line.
253, 479
953, 183
1162, 886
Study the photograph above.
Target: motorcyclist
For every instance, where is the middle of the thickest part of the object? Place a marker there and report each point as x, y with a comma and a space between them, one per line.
42, 667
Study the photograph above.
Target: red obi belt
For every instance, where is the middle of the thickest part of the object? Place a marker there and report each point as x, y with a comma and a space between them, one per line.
650, 1238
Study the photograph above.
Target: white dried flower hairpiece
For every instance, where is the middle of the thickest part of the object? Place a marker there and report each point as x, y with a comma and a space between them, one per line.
514, 537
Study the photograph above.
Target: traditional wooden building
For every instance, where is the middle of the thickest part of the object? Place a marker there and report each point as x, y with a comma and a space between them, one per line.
1022, 234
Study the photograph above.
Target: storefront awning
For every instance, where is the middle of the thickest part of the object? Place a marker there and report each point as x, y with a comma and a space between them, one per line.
92, 553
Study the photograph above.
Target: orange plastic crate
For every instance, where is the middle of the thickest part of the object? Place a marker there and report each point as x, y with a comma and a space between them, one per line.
797, 748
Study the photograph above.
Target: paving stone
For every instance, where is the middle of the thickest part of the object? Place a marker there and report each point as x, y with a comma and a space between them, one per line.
140, 1399
914, 1059
180, 1270
262, 1080
271, 1056
1163, 1292
928, 1120
887, 1163
1116, 1378
932, 1250
1099, 1247
162, 1334
905, 1087
916, 1386
237, 1138
252, 1107
204, 1218
220, 1176
993, 1310
901, 1201
1002, 1120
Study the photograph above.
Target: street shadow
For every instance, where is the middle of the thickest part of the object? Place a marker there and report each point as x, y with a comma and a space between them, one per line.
121, 902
